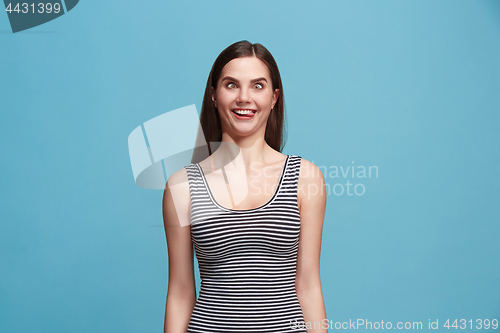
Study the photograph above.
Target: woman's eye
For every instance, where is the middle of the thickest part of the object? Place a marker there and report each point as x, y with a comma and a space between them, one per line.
231, 85
259, 86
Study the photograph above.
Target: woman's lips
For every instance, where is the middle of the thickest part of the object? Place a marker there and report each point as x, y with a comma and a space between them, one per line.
244, 116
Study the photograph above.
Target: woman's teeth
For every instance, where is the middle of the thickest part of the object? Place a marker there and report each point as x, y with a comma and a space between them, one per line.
243, 112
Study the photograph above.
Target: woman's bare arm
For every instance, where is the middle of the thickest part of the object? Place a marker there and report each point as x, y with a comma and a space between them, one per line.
181, 294
312, 205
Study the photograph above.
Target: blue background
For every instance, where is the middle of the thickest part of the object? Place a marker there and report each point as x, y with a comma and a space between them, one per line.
411, 87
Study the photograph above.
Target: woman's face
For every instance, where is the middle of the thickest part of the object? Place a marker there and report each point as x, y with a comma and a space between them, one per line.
244, 87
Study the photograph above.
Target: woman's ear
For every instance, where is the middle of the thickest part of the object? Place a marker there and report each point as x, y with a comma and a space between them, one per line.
276, 94
213, 97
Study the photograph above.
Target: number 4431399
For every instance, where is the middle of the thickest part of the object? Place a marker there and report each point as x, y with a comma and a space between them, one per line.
31, 8
479, 324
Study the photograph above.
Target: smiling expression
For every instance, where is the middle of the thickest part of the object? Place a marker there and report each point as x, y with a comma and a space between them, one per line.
244, 96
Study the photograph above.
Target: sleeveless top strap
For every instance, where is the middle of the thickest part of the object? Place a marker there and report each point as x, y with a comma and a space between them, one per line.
201, 204
288, 191
297, 161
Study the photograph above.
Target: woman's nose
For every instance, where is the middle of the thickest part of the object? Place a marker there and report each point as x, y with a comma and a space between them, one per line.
243, 95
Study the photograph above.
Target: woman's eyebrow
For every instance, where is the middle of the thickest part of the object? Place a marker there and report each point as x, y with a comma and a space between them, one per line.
254, 80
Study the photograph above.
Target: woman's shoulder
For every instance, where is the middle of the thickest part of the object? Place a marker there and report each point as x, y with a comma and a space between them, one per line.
311, 185
180, 176
308, 168
178, 182
177, 199
310, 174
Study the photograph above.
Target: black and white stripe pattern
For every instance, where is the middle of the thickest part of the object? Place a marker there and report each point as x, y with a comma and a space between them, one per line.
247, 259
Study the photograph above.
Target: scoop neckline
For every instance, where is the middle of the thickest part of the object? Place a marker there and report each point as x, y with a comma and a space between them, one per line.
212, 198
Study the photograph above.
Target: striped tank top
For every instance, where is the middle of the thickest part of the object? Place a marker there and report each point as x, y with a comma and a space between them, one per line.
247, 259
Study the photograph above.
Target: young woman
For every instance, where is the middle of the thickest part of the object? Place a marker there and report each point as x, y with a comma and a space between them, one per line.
254, 215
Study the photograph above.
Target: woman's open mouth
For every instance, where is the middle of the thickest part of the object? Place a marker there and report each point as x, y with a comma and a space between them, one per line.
244, 113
